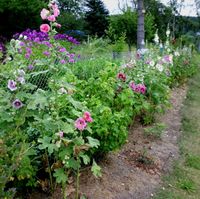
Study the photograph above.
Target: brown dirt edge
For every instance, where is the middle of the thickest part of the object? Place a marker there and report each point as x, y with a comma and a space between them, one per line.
123, 177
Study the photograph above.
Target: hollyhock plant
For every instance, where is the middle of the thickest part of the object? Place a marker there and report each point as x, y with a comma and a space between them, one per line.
45, 28
87, 117
80, 124
12, 85
17, 104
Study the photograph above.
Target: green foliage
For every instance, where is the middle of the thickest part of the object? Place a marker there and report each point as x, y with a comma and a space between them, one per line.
17, 12
193, 161
126, 23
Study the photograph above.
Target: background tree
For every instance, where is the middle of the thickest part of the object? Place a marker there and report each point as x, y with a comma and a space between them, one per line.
140, 25
96, 17
18, 15
127, 23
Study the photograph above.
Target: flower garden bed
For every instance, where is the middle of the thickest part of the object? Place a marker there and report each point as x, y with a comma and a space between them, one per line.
54, 121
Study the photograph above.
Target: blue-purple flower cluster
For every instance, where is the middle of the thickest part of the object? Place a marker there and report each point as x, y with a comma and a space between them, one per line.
37, 36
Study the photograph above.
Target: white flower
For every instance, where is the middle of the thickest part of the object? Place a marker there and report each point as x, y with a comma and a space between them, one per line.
159, 67
25, 37
152, 63
176, 53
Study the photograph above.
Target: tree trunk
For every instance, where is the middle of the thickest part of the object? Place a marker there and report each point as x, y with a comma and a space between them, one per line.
140, 25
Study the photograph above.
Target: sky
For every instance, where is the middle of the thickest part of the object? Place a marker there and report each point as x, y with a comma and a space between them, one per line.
188, 8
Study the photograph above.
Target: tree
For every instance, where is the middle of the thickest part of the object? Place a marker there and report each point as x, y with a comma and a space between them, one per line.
71, 6
126, 23
140, 25
96, 17
18, 15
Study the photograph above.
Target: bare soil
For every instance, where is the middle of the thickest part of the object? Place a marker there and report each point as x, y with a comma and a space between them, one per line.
134, 172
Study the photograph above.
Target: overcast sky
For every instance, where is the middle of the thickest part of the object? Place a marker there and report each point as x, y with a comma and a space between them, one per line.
188, 8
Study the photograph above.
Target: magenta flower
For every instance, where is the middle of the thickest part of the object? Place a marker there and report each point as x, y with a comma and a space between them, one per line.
132, 85
80, 124
12, 85
121, 76
17, 104
142, 88
87, 117
45, 28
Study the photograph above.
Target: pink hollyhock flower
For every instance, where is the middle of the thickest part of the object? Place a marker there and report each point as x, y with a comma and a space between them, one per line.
44, 13
87, 117
51, 18
56, 12
80, 124
45, 28
121, 76
12, 85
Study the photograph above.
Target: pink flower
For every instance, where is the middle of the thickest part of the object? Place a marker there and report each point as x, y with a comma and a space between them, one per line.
56, 12
142, 88
132, 85
121, 76
57, 25
44, 13
61, 133
51, 18
17, 104
45, 28
80, 124
87, 117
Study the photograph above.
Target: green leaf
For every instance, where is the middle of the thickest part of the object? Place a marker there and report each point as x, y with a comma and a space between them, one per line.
46, 144
86, 158
96, 170
60, 176
93, 142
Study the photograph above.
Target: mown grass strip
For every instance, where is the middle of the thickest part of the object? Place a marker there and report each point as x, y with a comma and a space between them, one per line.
184, 181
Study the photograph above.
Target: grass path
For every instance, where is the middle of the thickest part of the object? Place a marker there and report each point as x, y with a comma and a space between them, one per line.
184, 181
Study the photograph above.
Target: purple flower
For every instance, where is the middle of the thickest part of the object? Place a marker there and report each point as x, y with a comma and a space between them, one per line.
62, 61
27, 55
12, 85
30, 67
62, 50
71, 61
46, 53
17, 104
